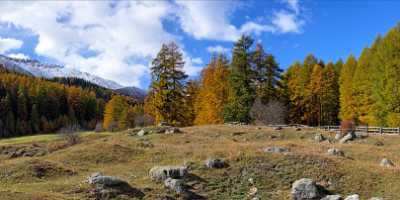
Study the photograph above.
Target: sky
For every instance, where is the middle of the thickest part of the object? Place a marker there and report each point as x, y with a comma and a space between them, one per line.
118, 39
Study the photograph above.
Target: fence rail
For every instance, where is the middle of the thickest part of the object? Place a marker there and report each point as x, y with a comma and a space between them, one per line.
367, 129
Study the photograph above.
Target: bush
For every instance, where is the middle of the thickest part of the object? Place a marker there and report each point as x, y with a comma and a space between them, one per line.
274, 112
70, 134
347, 126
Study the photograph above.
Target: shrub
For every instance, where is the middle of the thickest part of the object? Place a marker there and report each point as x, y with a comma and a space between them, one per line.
347, 126
273, 112
70, 134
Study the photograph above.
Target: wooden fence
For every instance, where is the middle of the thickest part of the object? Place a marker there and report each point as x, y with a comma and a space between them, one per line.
367, 129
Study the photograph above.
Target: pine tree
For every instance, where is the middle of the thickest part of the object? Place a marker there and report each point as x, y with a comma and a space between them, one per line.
330, 95
166, 97
213, 91
387, 88
241, 91
363, 88
347, 99
294, 92
313, 114
267, 74
114, 109
191, 91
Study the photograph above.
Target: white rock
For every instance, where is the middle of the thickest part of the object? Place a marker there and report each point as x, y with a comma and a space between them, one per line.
353, 197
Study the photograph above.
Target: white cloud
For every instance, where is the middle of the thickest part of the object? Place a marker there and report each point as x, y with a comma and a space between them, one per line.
217, 49
18, 56
124, 31
116, 40
7, 44
211, 20
287, 22
294, 5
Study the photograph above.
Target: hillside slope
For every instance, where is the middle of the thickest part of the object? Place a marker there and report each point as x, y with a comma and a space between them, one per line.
61, 173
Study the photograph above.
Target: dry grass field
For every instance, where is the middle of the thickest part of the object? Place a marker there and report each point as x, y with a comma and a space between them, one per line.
61, 172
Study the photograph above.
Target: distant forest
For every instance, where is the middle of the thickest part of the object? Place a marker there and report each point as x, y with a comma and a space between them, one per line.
250, 88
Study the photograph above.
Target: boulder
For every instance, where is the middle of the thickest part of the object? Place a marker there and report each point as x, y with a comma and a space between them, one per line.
353, 197
335, 152
276, 150
305, 189
108, 187
104, 181
349, 137
319, 137
215, 163
386, 163
175, 185
332, 197
160, 173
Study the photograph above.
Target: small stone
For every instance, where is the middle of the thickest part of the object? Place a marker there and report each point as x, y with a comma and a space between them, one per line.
278, 128
253, 191
142, 132
338, 136
378, 144
172, 130
276, 150
353, 197
335, 152
176, 185
332, 197
376, 198
215, 163
386, 163
163, 124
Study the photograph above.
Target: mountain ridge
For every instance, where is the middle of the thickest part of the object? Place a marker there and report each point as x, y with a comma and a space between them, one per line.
49, 71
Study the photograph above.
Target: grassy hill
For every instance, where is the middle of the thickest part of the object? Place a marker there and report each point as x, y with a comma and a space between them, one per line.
60, 172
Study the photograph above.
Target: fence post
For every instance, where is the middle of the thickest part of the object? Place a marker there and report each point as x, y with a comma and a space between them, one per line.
380, 130
329, 128
398, 130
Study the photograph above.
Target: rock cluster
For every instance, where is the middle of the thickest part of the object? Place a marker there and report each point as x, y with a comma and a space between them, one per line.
21, 151
159, 130
307, 189
161, 173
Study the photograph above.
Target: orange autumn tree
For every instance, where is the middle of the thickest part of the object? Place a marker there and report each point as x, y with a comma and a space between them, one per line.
213, 92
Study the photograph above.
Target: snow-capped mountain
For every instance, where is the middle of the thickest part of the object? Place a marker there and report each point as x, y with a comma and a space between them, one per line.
35, 68
133, 91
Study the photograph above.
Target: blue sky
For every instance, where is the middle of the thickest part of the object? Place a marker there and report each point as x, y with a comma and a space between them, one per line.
117, 40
